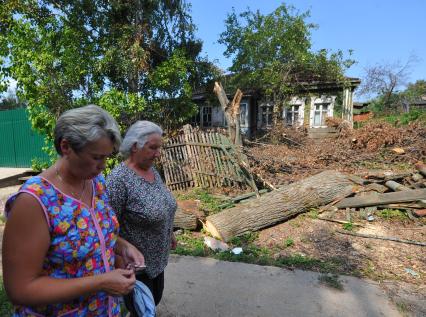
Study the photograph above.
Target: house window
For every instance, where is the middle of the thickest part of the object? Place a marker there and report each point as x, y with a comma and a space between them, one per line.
320, 113
266, 112
292, 115
243, 114
195, 120
207, 116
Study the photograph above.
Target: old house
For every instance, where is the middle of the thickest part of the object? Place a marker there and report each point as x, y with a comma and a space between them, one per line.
309, 107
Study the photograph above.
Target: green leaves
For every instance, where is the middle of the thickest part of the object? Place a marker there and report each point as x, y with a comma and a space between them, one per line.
137, 59
273, 51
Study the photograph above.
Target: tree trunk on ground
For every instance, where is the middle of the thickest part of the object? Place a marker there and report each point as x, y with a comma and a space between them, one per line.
280, 205
188, 215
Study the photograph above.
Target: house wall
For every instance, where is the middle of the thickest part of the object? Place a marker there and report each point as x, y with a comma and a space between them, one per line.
257, 115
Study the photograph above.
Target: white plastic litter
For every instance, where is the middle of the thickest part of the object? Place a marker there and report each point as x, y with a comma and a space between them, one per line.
214, 244
370, 218
237, 250
412, 272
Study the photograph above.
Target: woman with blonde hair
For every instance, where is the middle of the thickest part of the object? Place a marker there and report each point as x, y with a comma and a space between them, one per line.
61, 236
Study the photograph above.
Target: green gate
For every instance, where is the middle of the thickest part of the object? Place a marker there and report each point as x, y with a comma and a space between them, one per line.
19, 144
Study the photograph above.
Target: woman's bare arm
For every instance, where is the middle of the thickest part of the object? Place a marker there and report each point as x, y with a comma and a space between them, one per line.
26, 241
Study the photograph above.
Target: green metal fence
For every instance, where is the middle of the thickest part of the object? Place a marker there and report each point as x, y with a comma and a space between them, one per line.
19, 144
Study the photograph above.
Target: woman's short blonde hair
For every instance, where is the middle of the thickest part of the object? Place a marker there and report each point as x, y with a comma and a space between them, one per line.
82, 125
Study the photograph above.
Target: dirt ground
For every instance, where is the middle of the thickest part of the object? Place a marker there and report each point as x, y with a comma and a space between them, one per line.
399, 268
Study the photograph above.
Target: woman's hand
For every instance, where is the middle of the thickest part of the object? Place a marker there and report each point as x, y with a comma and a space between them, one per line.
173, 243
129, 253
118, 282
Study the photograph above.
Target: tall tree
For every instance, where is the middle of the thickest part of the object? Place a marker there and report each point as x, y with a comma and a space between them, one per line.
68, 53
274, 52
385, 79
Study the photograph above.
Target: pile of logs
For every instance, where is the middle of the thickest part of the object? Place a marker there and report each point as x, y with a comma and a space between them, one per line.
325, 191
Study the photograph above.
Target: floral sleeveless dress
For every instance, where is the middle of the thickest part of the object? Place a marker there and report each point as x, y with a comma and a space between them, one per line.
82, 244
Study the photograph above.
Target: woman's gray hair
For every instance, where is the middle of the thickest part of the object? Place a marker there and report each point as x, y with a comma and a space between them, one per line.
138, 134
82, 125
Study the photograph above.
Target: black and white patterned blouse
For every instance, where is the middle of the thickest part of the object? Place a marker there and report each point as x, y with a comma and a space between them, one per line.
145, 212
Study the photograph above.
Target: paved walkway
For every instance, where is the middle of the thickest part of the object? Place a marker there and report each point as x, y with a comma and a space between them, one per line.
6, 172
204, 287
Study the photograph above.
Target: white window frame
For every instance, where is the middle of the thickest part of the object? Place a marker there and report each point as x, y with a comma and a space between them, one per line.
290, 111
323, 114
267, 109
244, 114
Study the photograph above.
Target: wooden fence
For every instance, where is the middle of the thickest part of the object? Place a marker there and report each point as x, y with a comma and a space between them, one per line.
201, 159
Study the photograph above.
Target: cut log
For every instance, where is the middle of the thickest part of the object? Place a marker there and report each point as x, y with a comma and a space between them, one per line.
280, 205
185, 220
188, 215
417, 177
397, 187
421, 168
384, 199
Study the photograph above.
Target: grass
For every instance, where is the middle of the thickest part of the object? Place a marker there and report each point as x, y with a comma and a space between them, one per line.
331, 280
5, 305
348, 226
406, 118
253, 254
392, 214
208, 203
402, 308
289, 242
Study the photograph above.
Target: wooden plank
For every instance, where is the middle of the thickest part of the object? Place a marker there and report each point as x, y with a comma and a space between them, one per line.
191, 154
209, 160
204, 160
223, 164
206, 144
383, 199
187, 163
199, 158
171, 158
377, 187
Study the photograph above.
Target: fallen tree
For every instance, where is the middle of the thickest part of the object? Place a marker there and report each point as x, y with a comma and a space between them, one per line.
280, 205
188, 215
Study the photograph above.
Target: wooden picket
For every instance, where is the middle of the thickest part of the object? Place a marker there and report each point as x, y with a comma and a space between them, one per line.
200, 159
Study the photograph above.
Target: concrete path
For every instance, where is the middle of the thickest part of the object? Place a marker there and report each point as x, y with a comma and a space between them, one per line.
6, 172
204, 287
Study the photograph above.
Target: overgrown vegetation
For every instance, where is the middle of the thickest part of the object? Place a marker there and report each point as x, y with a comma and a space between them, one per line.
5, 305
208, 203
392, 214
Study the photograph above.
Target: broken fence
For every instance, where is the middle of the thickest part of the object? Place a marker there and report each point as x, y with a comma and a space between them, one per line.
201, 159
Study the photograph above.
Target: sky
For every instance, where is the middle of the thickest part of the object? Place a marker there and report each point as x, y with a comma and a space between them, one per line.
378, 31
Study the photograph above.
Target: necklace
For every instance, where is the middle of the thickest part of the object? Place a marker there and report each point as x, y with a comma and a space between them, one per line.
64, 182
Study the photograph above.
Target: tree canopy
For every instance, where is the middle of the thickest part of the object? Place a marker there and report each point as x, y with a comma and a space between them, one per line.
274, 52
138, 59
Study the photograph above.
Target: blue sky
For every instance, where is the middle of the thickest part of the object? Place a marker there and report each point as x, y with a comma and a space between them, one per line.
379, 31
